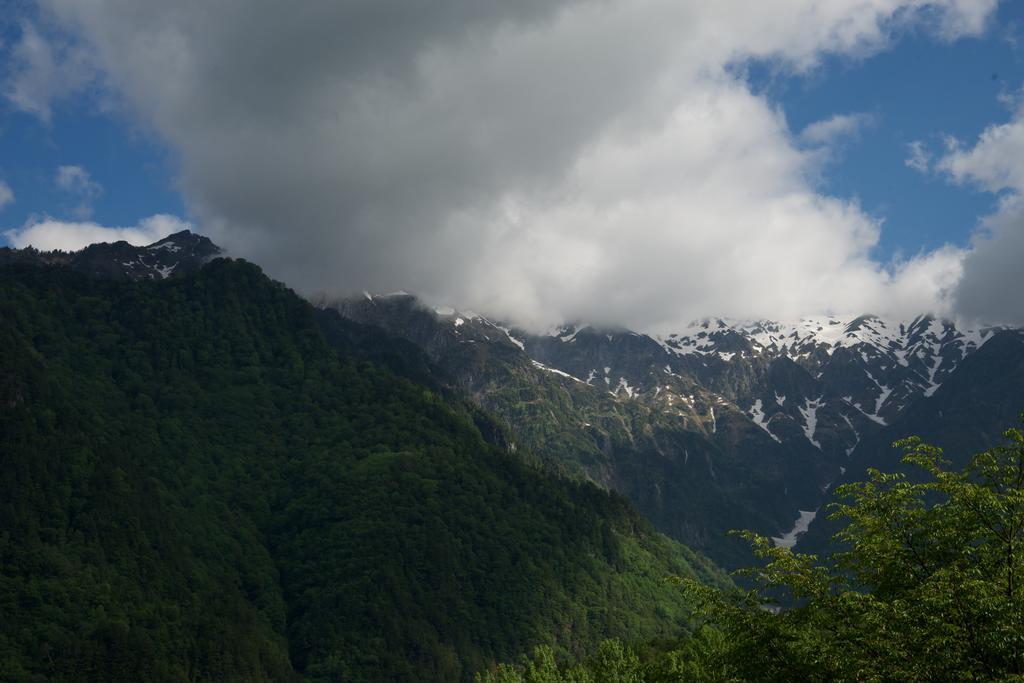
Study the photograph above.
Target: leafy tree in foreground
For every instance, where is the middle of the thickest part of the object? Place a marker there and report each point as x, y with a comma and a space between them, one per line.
928, 589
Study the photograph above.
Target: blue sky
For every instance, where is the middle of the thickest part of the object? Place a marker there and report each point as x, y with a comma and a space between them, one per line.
430, 206
135, 170
919, 89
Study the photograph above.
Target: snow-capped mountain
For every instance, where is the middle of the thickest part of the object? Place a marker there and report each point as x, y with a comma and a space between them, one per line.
928, 347
829, 379
856, 369
784, 405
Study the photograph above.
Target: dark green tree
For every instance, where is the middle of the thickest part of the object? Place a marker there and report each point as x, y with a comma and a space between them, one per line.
927, 588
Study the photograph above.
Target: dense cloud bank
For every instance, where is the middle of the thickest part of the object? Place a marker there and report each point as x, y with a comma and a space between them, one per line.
536, 160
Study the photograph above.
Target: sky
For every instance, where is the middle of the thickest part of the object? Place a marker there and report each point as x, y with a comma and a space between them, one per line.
630, 162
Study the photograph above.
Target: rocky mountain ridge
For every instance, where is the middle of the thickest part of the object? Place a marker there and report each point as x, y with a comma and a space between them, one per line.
764, 414
857, 371
178, 253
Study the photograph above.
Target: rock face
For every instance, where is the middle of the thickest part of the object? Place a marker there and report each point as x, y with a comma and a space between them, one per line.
965, 415
721, 425
864, 369
182, 252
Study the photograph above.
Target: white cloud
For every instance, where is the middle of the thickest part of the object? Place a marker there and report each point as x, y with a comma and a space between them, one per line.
835, 128
76, 181
729, 227
41, 72
993, 268
49, 234
963, 18
918, 157
539, 159
928, 277
995, 162
6, 194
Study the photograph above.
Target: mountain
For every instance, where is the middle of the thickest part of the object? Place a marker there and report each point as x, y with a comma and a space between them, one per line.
964, 416
721, 425
866, 368
205, 478
178, 254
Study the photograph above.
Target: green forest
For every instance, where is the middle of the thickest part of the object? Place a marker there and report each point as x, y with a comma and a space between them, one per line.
206, 479
201, 484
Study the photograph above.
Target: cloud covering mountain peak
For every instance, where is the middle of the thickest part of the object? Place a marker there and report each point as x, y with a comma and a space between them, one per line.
541, 161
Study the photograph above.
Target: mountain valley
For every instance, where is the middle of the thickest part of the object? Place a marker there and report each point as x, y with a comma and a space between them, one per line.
371, 488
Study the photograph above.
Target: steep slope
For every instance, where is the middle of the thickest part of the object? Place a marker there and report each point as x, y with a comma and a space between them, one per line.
690, 460
199, 486
964, 416
723, 425
867, 370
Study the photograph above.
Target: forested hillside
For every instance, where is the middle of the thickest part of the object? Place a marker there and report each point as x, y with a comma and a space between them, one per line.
198, 485
928, 589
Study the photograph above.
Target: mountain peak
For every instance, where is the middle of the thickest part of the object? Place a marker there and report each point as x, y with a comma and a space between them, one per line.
181, 252
184, 238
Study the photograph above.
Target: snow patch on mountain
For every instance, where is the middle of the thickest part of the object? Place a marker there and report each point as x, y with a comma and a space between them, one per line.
800, 526
165, 271
856, 434
757, 415
809, 411
508, 333
567, 336
555, 371
168, 245
856, 406
624, 386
